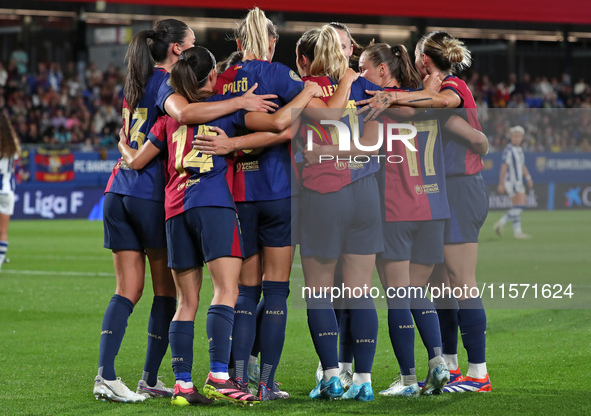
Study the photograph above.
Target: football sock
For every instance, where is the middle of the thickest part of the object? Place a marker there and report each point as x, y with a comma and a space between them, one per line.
324, 331
256, 346
451, 360
472, 320
364, 331
244, 329
273, 325
163, 309
402, 332
330, 373
220, 320
477, 370
181, 334
185, 384
447, 312
360, 378
345, 338
427, 322
516, 218
410, 379
345, 367
3, 250
112, 332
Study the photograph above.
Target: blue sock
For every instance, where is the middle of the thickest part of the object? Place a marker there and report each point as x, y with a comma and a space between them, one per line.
112, 332
364, 331
447, 312
402, 331
163, 309
427, 322
244, 330
256, 346
346, 341
181, 334
324, 331
220, 320
273, 325
472, 320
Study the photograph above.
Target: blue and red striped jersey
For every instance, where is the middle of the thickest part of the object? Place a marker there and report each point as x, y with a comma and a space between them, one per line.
459, 160
146, 183
262, 174
194, 179
413, 183
332, 175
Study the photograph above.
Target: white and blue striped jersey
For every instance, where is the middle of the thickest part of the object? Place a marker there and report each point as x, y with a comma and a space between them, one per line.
514, 158
7, 176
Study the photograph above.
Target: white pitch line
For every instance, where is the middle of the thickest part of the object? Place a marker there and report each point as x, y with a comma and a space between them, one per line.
56, 273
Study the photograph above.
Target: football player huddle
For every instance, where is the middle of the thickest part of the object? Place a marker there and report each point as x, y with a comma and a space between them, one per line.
234, 164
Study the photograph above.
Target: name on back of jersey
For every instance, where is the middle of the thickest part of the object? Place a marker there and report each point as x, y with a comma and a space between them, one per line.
237, 86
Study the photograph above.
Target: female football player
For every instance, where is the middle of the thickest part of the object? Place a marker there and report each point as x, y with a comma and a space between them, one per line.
201, 226
340, 218
440, 55
10, 151
134, 206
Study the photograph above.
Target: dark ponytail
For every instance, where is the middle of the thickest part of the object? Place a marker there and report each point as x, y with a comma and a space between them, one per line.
189, 75
397, 60
147, 48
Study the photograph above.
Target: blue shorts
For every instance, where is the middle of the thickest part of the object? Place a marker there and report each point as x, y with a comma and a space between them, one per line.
295, 219
132, 223
265, 224
468, 205
346, 221
418, 241
202, 234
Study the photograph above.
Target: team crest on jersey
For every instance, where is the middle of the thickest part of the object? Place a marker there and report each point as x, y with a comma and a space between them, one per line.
294, 76
340, 165
168, 82
418, 189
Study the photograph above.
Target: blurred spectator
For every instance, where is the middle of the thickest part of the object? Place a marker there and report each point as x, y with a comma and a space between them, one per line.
20, 58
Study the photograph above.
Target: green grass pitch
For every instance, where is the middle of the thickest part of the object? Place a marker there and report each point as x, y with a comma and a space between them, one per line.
54, 292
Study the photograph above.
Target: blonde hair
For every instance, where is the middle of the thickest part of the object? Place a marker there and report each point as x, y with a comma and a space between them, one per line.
9, 143
446, 52
323, 48
254, 32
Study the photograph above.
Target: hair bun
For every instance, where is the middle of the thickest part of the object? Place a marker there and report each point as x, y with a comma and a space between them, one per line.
150, 34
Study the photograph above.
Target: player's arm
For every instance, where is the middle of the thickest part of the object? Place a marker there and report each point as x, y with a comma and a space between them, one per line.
319, 110
136, 159
282, 119
369, 138
222, 144
184, 112
501, 187
527, 176
477, 140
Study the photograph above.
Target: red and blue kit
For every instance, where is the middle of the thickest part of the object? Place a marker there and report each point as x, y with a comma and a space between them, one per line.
413, 183
146, 183
459, 160
333, 175
194, 179
262, 174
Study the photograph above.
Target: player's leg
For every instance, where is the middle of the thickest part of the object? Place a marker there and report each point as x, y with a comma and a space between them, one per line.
447, 313
129, 264
461, 265
6, 210
275, 236
249, 292
509, 215
182, 334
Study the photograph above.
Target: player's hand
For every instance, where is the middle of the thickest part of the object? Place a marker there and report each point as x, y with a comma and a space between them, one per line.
501, 189
213, 145
314, 88
530, 184
432, 82
253, 102
374, 106
312, 157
